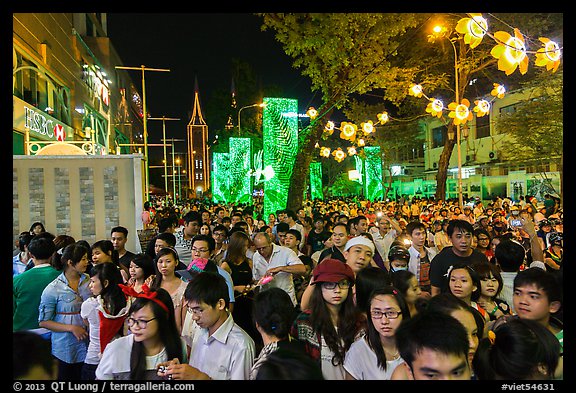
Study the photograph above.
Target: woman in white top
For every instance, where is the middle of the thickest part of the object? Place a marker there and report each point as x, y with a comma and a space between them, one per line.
375, 355
104, 314
154, 339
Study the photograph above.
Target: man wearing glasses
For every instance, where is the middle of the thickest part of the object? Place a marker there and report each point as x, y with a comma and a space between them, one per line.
278, 261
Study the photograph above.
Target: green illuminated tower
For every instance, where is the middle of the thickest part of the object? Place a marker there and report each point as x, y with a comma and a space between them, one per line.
240, 153
373, 173
221, 177
280, 140
316, 180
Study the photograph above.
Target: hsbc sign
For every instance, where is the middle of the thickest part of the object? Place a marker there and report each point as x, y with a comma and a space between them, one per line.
41, 125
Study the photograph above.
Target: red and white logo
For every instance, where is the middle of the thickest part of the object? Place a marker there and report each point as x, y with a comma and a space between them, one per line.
59, 132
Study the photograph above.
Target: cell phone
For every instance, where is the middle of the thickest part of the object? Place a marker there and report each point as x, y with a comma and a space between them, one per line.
515, 223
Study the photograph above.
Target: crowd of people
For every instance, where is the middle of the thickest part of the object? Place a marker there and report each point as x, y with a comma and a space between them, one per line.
337, 289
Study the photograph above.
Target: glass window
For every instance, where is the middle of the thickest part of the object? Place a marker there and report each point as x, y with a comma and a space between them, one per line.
482, 126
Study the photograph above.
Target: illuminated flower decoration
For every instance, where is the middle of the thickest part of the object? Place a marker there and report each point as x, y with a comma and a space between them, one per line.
498, 90
368, 127
352, 151
482, 107
416, 91
460, 112
339, 154
510, 52
549, 55
473, 29
435, 108
329, 127
348, 131
317, 145
312, 113
325, 152
361, 142
383, 117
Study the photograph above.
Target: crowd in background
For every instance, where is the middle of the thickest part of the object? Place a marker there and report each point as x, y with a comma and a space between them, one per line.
336, 289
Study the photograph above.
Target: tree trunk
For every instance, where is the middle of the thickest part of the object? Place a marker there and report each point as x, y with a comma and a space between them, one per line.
304, 157
443, 164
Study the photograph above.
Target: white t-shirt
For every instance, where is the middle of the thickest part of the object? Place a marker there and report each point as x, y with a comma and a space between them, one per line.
89, 311
329, 371
361, 362
281, 256
115, 362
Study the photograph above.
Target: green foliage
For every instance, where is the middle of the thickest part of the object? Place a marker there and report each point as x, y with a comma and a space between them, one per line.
536, 127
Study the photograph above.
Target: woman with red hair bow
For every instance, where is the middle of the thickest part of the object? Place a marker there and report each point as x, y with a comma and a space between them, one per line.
154, 339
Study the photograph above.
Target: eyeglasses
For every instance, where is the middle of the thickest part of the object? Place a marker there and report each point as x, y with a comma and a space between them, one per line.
344, 284
482, 239
142, 323
377, 314
200, 250
263, 247
194, 310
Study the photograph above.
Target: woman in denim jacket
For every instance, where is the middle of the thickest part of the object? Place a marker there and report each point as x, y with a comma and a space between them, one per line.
59, 311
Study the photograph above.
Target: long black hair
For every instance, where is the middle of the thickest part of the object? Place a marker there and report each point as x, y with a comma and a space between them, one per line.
167, 330
111, 294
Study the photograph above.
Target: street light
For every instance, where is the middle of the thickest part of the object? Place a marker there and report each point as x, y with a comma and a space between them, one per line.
244, 107
145, 118
440, 31
163, 118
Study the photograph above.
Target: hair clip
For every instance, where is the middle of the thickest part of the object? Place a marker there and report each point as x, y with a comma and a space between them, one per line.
60, 251
491, 336
395, 292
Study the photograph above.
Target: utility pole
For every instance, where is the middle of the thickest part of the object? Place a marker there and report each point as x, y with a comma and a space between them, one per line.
145, 118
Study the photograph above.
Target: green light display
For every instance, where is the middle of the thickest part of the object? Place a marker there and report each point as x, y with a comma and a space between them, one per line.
280, 140
373, 166
240, 183
221, 177
316, 180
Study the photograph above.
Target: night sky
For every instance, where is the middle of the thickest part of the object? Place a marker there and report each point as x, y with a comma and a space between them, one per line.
197, 45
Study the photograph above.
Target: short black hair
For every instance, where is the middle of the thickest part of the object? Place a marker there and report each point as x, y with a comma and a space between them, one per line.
296, 233
207, 288
120, 229
282, 227
29, 350
192, 216
436, 331
208, 239
168, 237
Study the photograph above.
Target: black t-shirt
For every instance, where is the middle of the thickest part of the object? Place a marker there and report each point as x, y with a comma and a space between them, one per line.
332, 252
316, 240
126, 259
444, 260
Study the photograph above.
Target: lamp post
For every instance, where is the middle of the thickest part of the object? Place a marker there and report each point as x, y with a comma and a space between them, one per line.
244, 107
441, 32
145, 118
163, 118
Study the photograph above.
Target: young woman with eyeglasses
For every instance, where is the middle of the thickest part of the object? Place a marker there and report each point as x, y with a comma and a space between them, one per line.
375, 355
332, 322
154, 339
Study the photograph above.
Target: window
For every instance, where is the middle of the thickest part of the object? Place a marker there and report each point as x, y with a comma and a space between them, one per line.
439, 135
483, 126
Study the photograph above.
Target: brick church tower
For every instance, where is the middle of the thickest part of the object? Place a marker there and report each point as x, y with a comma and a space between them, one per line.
198, 153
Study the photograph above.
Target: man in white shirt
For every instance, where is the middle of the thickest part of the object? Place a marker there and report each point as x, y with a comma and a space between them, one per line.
278, 261
388, 230
219, 348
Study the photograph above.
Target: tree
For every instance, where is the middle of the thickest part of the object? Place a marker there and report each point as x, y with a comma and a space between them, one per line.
341, 54
346, 54
536, 128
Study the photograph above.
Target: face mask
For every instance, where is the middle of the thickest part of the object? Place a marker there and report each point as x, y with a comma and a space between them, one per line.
395, 269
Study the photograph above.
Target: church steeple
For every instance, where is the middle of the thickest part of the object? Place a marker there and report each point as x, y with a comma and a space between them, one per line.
198, 153
196, 118
229, 123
